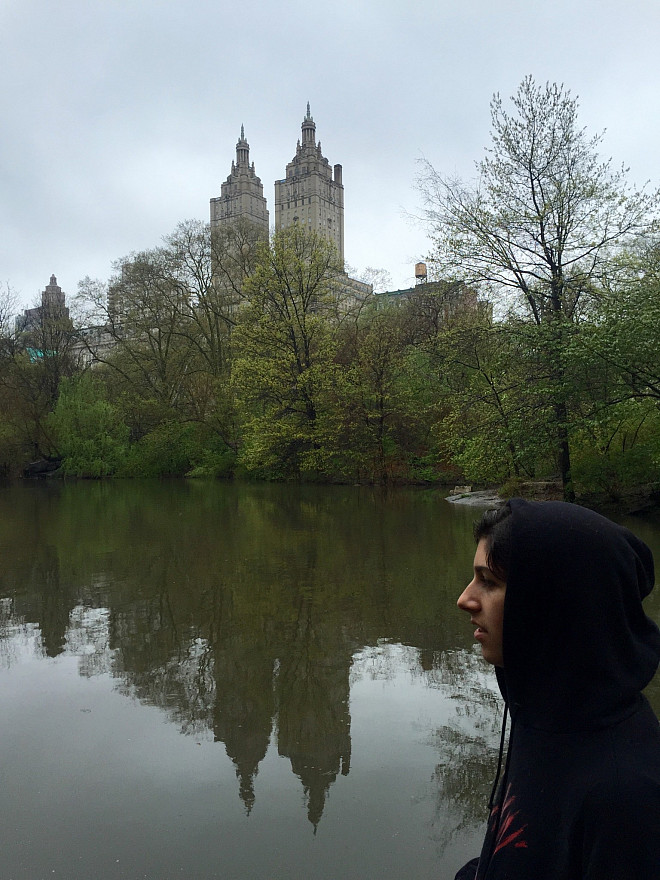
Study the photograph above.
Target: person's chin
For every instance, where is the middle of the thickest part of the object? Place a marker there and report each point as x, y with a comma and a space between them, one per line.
491, 657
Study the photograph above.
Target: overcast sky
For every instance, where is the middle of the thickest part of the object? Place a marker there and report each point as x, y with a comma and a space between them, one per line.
120, 117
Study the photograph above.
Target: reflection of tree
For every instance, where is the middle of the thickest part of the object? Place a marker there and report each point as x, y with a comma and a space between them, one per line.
238, 611
235, 610
49, 598
88, 638
468, 746
16, 635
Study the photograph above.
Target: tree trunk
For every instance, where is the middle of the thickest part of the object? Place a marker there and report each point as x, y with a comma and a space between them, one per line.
563, 451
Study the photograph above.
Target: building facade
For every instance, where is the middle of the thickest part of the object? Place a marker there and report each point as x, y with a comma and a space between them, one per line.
52, 308
311, 195
242, 194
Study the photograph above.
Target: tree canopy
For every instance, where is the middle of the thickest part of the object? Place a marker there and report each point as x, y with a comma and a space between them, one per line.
545, 216
543, 221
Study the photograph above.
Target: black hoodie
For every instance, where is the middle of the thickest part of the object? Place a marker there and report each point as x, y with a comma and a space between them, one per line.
579, 798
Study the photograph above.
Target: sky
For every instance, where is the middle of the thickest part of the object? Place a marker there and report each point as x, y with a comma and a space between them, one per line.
119, 118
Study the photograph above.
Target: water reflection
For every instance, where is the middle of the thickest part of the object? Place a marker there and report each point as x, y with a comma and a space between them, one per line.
250, 616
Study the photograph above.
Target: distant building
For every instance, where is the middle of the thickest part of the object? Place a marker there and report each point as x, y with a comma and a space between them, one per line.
92, 346
242, 194
311, 195
52, 308
444, 298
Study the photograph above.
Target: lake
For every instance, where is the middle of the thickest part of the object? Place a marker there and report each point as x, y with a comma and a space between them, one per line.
210, 680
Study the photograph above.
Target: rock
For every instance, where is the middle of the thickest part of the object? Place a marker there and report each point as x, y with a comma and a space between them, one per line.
488, 498
44, 467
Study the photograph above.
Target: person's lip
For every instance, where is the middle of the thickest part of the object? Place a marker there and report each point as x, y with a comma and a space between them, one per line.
480, 630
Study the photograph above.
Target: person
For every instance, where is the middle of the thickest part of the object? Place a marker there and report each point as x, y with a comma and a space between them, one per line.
556, 600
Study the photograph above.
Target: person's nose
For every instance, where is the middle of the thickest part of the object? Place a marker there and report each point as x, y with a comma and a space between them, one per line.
468, 600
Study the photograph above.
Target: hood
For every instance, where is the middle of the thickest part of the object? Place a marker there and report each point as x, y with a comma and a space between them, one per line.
577, 645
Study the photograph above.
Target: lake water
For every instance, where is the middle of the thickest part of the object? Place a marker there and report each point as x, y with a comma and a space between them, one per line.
210, 680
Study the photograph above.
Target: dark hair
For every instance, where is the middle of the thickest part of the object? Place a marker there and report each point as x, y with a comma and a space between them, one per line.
495, 527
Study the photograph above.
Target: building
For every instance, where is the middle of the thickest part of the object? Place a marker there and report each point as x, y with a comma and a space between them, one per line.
311, 195
52, 309
242, 194
439, 301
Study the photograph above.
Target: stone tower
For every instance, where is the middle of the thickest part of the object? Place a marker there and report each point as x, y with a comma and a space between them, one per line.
52, 308
310, 195
242, 194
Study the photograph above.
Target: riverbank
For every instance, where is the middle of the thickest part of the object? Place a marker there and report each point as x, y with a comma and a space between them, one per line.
641, 499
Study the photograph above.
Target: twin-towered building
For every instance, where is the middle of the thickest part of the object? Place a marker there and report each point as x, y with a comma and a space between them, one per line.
311, 195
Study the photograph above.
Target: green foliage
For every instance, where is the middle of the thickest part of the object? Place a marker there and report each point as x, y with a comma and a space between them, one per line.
619, 449
283, 347
539, 229
213, 462
90, 437
13, 454
234, 355
171, 449
493, 425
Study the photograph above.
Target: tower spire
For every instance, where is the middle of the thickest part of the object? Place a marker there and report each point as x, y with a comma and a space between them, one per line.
308, 129
242, 150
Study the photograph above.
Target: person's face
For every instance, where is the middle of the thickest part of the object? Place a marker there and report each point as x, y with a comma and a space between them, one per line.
483, 599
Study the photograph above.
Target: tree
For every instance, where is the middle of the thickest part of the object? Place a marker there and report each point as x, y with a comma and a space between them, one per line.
543, 220
34, 360
7, 312
625, 335
90, 435
168, 313
284, 354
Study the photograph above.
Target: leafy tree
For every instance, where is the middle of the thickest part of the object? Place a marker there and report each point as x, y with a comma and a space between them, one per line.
543, 221
380, 403
625, 333
168, 313
8, 306
90, 436
33, 364
284, 354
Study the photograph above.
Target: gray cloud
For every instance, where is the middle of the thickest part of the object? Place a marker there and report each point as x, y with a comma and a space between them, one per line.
120, 119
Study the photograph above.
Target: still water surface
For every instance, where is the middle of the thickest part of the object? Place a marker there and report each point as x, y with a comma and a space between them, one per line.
204, 680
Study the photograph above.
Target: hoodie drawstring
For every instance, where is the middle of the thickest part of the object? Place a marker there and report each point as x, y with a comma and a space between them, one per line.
493, 832
491, 800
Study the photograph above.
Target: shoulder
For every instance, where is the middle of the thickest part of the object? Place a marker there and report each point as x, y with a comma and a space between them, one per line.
619, 824
630, 795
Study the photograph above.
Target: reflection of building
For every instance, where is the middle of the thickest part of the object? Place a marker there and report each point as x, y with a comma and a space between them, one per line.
52, 308
314, 722
310, 195
244, 705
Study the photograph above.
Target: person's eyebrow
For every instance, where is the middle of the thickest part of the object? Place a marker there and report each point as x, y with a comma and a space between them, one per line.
483, 569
